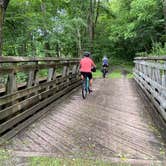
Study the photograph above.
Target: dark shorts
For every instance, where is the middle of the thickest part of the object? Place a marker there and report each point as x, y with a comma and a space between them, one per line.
105, 65
85, 74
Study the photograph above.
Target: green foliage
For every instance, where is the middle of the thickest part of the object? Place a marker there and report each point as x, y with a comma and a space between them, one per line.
158, 49
122, 28
37, 28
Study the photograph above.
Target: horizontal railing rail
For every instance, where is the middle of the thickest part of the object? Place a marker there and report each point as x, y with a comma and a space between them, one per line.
29, 84
150, 74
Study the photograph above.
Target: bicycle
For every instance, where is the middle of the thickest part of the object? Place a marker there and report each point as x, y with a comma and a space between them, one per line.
85, 84
85, 87
104, 71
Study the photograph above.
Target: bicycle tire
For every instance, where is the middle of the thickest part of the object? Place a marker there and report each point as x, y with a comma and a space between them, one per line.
84, 91
104, 73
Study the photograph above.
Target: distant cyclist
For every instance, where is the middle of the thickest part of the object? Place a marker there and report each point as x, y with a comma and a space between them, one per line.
86, 65
104, 69
105, 61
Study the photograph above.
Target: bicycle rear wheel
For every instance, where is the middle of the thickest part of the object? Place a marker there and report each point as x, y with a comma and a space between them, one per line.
84, 90
104, 73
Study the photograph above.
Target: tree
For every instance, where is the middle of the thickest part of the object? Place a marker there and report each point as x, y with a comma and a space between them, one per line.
3, 7
118, 28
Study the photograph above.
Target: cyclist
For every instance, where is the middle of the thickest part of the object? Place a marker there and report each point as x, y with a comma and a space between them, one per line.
105, 61
86, 65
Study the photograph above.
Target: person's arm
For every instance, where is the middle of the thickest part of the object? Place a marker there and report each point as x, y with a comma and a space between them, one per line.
93, 64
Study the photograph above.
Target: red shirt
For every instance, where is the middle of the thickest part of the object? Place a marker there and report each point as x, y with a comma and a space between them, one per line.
86, 64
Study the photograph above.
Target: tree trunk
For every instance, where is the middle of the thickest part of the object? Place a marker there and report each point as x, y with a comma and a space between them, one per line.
1, 22
57, 50
3, 7
97, 12
92, 21
33, 48
46, 43
91, 25
79, 43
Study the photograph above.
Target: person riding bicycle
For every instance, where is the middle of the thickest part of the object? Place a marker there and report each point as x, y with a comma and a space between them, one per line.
86, 65
105, 63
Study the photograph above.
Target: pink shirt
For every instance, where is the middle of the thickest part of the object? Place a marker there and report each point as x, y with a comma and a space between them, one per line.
86, 64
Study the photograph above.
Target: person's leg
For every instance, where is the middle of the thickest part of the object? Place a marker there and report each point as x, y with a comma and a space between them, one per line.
82, 75
90, 81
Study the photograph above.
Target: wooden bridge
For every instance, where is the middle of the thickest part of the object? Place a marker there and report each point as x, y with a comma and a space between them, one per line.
122, 121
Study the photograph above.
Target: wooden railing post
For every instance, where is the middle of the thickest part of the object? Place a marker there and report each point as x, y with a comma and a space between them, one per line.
50, 74
77, 70
36, 77
74, 69
31, 78
11, 83
65, 70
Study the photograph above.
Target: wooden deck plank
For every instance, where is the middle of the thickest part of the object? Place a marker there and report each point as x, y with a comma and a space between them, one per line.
112, 122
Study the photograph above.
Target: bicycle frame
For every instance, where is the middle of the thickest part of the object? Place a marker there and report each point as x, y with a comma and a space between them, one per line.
87, 83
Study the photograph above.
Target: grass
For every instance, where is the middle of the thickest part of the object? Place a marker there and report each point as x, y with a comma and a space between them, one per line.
115, 74
128, 67
97, 74
130, 75
48, 161
5, 157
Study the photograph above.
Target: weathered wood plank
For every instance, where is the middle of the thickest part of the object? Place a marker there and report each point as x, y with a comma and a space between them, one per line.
4, 138
101, 127
13, 121
22, 93
151, 58
29, 101
155, 98
11, 59
19, 102
150, 73
11, 83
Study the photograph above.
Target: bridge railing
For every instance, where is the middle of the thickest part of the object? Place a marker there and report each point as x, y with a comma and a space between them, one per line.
150, 74
29, 84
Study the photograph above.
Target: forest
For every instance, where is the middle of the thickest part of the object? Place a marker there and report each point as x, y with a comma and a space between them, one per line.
120, 29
